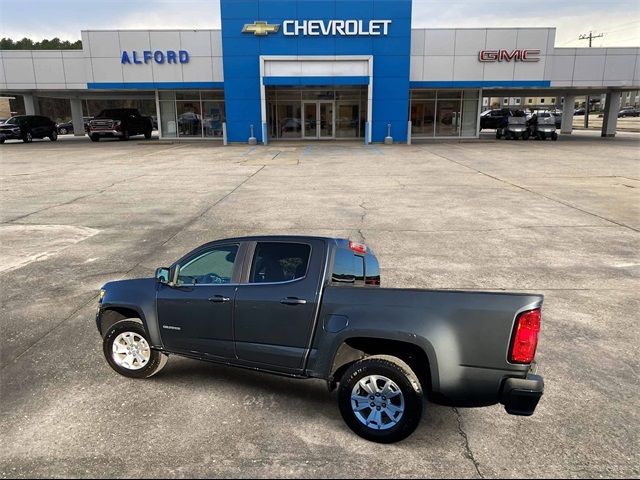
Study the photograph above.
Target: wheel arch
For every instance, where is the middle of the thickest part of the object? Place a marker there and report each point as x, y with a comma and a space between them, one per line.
113, 314
416, 356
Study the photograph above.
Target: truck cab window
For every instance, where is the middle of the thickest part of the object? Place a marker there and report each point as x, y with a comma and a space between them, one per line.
213, 267
279, 262
348, 268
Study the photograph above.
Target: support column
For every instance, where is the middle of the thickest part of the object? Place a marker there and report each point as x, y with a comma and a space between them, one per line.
76, 117
31, 106
611, 109
567, 114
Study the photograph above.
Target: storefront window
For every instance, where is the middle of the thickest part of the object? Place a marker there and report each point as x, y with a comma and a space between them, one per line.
448, 118
191, 113
423, 114
212, 113
289, 120
347, 119
168, 123
189, 119
444, 113
469, 117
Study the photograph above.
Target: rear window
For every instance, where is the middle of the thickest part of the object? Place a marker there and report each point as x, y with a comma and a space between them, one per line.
372, 271
279, 262
348, 268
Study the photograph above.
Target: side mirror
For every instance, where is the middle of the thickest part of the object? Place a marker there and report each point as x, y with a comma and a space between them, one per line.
163, 275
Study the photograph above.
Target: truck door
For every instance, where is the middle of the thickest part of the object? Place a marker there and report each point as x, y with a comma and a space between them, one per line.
276, 307
196, 315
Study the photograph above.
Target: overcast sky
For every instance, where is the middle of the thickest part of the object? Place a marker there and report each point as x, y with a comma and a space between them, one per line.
619, 20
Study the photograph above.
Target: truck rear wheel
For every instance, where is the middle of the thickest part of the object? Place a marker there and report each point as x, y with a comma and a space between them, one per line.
147, 134
126, 348
380, 399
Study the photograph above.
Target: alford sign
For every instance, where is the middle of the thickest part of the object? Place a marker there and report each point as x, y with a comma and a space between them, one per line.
507, 56
316, 28
158, 56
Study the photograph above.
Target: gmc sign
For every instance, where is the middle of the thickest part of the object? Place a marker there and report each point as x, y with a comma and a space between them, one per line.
507, 56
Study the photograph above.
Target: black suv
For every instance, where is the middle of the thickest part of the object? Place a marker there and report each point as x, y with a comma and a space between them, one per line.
494, 118
28, 127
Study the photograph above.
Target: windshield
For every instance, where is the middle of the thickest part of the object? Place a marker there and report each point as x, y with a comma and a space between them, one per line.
116, 113
16, 121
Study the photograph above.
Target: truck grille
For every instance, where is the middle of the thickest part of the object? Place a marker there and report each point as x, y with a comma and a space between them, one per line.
101, 124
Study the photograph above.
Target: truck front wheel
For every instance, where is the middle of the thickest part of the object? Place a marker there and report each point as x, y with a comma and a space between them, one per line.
126, 348
380, 399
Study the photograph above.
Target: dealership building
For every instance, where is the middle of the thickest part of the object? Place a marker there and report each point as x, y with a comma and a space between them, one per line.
320, 70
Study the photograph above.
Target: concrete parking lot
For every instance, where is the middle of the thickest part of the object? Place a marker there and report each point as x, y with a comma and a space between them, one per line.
560, 218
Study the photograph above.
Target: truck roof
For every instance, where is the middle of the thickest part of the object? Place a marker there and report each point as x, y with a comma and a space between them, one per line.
256, 238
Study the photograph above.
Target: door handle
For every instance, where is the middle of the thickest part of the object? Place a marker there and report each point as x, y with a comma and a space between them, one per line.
219, 299
293, 301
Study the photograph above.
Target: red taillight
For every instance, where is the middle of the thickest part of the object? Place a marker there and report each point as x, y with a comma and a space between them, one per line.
525, 340
358, 247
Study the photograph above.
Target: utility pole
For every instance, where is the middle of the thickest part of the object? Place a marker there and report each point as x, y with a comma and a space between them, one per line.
587, 104
590, 37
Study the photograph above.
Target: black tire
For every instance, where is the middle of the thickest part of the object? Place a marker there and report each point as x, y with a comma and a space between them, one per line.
94, 138
498, 135
125, 135
554, 136
54, 136
156, 362
401, 374
147, 134
28, 138
62, 131
525, 136
1, 141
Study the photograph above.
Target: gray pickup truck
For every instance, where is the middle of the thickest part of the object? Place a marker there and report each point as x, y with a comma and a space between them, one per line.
312, 307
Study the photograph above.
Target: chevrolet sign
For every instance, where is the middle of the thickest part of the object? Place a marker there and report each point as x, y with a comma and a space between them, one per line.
336, 27
314, 28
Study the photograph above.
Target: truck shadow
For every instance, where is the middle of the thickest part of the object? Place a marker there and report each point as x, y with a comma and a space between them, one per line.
292, 394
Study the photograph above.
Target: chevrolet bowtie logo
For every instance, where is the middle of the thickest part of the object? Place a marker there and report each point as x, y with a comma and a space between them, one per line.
261, 28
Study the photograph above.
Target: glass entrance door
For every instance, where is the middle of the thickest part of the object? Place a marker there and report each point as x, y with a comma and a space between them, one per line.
319, 120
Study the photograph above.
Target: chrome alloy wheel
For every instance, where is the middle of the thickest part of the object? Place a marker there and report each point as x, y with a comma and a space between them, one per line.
377, 402
130, 351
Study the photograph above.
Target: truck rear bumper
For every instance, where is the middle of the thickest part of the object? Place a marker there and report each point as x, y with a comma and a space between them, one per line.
520, 396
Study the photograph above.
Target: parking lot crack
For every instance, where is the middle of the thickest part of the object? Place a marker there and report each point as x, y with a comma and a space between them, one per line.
73, 200
467, 449
515, 185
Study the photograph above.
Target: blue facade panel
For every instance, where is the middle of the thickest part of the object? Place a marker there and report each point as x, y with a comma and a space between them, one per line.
241, 57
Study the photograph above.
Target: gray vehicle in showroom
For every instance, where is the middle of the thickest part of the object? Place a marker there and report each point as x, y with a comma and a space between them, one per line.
312, 307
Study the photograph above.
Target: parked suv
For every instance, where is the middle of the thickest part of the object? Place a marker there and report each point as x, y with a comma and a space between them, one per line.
121, 123
28, 127
494, 118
